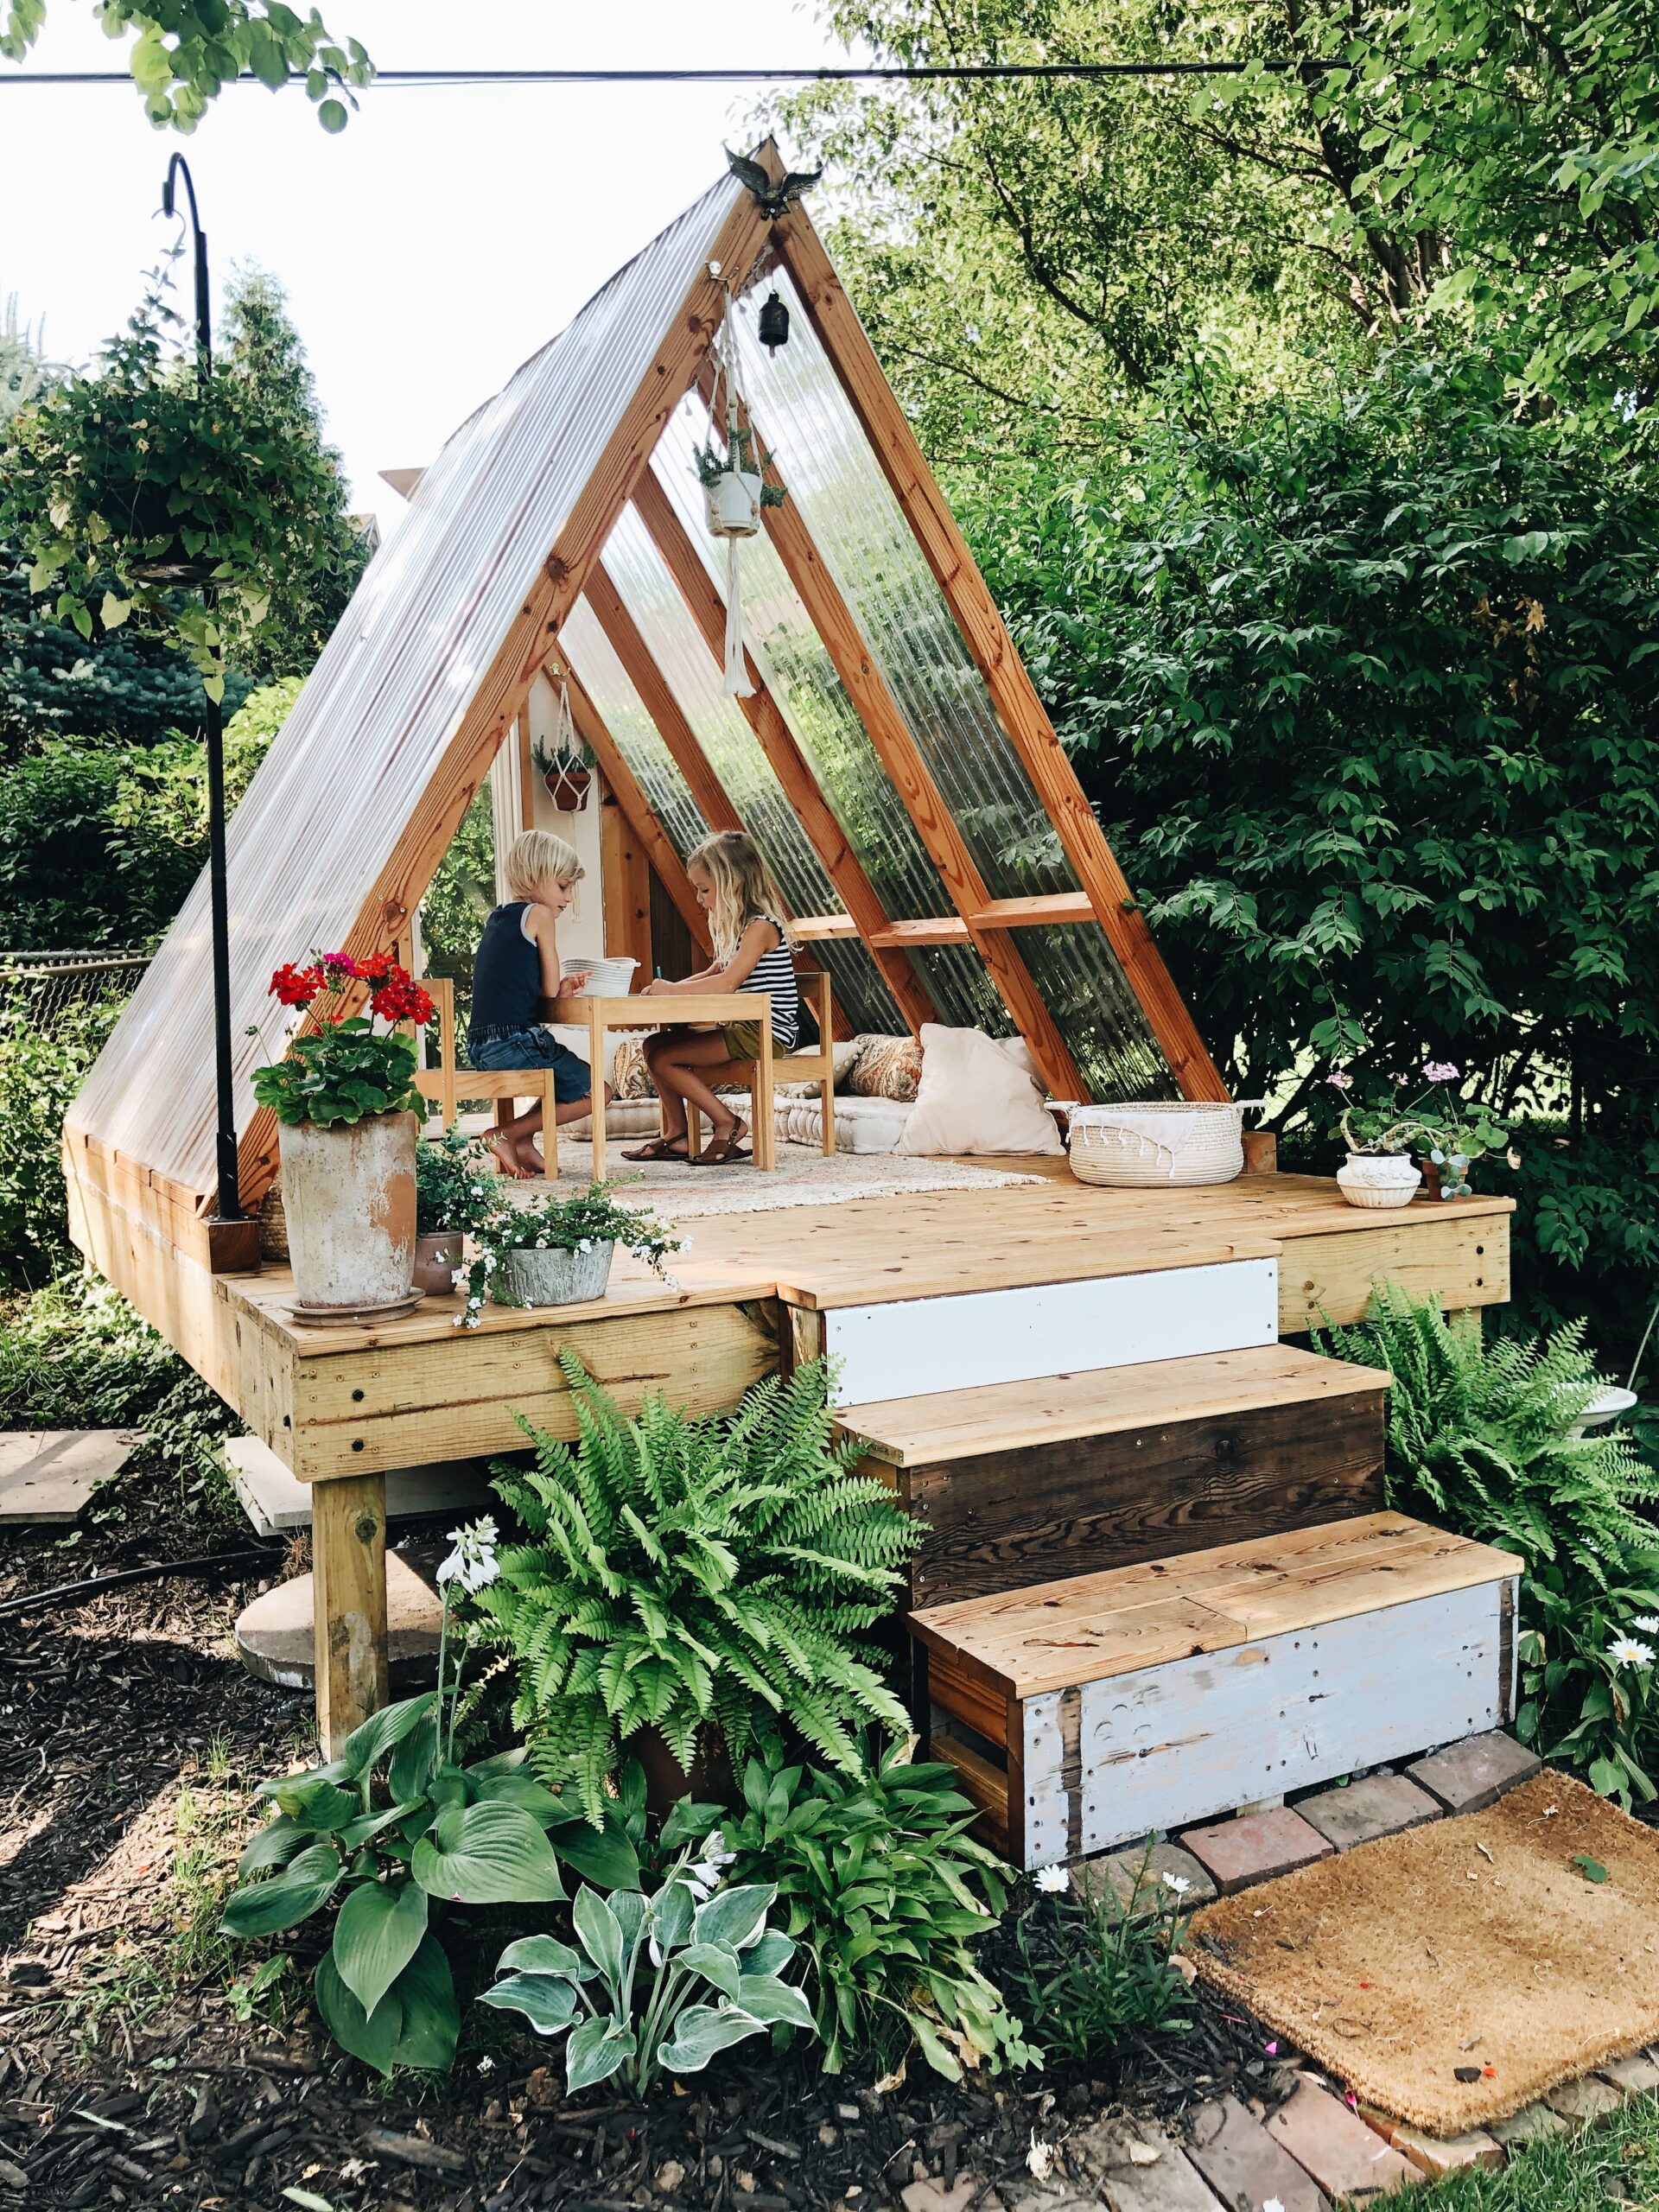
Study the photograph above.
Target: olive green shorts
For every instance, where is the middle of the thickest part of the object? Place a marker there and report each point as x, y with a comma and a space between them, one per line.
742, 1039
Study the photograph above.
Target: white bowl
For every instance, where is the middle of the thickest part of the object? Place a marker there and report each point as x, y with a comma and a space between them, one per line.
606, 979
1611, 1404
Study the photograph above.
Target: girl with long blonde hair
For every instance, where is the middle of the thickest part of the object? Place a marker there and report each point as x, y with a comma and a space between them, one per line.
734, 888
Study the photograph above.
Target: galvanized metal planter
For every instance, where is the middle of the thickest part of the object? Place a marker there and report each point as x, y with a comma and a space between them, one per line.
348, 1197
534, 1276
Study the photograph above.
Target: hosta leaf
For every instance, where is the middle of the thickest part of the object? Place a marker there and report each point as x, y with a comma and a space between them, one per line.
425, 1991
379, 1930
368, 1745
486, 1854
549, 2005
603, 1856
264, 1908
600, 1932
701, 2032
372, 2041
595, 2051
715, 1962
318, 1806
734, 1916
545, 1955
767, 1998
274, 1845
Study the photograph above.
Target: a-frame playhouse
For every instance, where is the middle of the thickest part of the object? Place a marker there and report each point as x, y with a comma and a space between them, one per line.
1064, 1380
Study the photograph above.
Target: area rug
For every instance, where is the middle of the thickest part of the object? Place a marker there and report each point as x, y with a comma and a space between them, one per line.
1452, 1973
802, 1177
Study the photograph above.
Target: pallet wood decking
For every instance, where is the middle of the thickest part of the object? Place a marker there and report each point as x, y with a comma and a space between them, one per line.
1115, 1466
1109, 1705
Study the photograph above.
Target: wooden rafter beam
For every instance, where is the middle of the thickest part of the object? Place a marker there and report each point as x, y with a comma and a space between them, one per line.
864, 912
668, 717
499, 697
1055, 906
889, 733
1023, 713
636, 809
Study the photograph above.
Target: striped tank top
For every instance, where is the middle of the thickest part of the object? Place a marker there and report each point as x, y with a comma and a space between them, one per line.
775, 972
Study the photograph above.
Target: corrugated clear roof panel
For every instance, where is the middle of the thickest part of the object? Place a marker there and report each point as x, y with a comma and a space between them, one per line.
745, 773
623, 713
367, 737
825, 462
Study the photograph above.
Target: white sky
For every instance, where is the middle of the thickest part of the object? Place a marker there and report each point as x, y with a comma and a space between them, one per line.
441, 239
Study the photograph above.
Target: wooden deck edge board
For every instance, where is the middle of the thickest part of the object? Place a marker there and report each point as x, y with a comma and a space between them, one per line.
1103, 1402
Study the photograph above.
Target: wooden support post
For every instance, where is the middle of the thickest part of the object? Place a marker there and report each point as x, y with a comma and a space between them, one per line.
777, 741
348, 1593
625, 884
1021, 712
925, 803
801, 1340
499, 697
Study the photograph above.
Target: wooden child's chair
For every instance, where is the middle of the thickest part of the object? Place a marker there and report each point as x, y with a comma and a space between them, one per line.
447, 1083
760, 1075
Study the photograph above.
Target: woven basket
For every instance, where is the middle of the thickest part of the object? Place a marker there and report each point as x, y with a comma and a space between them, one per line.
1158, 1144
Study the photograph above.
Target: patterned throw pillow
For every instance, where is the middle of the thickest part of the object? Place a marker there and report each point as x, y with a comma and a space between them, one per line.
888, 1067
630, 1077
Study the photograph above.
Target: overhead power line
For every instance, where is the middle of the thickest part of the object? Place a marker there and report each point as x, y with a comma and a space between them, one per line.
876, 72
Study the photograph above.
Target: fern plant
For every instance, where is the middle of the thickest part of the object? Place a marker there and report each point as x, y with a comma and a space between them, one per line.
1479, 1441
686, 1574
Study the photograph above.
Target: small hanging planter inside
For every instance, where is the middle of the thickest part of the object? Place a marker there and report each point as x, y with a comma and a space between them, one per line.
566, 767
734, 491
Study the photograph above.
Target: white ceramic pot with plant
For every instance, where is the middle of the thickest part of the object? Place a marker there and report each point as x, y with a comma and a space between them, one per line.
735, 489
556, 1251
453, 1192
346, 1104
1378, 1179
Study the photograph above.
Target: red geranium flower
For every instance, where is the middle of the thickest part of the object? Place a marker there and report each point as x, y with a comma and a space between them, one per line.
398, 999
377, 968
297, 985
338, 967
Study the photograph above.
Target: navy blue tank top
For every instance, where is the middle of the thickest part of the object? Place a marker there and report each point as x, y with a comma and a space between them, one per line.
506, 973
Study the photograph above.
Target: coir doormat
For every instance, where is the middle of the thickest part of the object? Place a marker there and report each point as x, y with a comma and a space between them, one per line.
1451, 1973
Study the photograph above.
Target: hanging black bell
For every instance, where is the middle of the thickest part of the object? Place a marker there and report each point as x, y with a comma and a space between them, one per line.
774, 324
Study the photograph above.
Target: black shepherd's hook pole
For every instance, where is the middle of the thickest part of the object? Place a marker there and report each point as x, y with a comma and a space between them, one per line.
230, 1191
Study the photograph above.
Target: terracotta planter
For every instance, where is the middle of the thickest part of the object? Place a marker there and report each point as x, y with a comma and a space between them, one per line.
1378, 1179
711, 1781
568, 788
348, 1200
534, 1276
436, 1258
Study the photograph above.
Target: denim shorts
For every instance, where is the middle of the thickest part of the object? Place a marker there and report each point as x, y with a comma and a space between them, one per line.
533, 1048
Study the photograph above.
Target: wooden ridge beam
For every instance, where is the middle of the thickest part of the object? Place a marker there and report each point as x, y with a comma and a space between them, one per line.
889, 733
668, 717
500, 694
866, 915
636, 809
1023, 715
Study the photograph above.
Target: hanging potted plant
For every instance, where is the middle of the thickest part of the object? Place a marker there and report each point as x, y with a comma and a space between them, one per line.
345, 1103
558, 1251
452, 1196
735, 488
567, 769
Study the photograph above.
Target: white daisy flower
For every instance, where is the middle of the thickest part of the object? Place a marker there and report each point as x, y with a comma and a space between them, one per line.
1179, 1882
1050, 1879
1630, 1651
1648, 1622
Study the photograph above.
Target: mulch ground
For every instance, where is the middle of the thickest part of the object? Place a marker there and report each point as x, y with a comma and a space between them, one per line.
135, 2069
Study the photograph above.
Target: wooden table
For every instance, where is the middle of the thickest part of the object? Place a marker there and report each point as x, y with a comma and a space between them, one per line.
683, 1009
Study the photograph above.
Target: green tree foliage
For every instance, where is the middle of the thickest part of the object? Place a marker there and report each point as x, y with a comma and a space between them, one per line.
184, 51
24, 367
41, 1068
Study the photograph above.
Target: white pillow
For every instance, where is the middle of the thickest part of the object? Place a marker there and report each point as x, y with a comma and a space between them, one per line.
975, 1097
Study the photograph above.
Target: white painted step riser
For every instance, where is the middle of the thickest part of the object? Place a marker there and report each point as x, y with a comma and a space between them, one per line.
1190, 1740
920, 1344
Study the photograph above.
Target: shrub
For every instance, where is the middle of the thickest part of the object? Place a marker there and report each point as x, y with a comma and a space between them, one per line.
885, 1891
40, 1070
681, 1573
1094, 1971
1478, 1441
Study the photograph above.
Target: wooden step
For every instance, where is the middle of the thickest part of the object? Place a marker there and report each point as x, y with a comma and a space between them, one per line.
1028, 1332
1079, 1473
1148, 1697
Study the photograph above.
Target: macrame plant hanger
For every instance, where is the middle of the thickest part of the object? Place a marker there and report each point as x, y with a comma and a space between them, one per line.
729, 521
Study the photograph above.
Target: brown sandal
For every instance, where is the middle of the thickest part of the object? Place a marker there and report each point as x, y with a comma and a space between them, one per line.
660, 1149
720, 1152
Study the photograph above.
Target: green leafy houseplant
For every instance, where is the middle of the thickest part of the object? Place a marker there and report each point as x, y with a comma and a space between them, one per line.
401, 1832
578, 1224
684, 1575
345, 1068
1097, 1969
886, 1891
634, 1990
742, 454
452, 1191
1436, 1123
1477, 1440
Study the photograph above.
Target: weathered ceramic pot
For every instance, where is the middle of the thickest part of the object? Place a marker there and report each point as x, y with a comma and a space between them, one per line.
348, 1194
436, 1259
1378, 1179
532, 1276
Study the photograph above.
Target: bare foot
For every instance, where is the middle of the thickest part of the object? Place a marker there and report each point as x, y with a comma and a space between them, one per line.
507, 1154
531, 1165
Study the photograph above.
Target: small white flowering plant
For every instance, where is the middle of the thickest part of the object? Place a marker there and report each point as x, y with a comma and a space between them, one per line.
579, 1224
1097, 1967
1433, 1119
454, 1191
